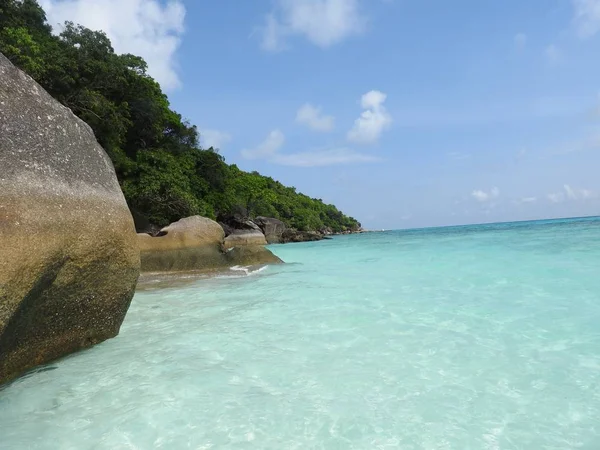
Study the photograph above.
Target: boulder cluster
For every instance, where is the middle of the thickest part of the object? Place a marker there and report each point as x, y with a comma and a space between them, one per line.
70, 250
69, 254
199, 244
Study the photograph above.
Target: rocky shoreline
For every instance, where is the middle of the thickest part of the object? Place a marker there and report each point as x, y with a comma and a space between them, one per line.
71, 258
199, 244
263, 230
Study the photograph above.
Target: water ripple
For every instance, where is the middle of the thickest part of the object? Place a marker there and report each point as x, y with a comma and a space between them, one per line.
482, 338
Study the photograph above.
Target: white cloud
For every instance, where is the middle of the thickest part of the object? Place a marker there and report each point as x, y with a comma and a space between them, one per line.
485, 196
520, 40
267, 148
147, 28
586, 193
312, 117
373, 121
330, 157
570, 193
552, 54
587, 17
322, 22
214, 138
557, 197
528, 200
525, 200
273, 35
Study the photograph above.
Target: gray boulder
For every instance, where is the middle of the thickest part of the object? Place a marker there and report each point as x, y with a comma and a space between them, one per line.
69, 260
189, 244
198, 244
272, 228
240, 238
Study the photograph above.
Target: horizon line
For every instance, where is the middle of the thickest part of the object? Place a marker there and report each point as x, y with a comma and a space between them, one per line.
484, 223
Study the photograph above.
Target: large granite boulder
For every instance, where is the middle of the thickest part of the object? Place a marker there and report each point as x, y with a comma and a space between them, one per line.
69, 260
197, 244
191, 243
272, 228
241, 231
251, 255
243, 238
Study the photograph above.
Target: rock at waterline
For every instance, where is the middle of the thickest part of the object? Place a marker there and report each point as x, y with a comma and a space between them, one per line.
291, 235
244, 238
243, 231
198, 244
272, 228
69, 260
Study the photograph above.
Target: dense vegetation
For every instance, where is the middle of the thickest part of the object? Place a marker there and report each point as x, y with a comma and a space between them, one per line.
163, 172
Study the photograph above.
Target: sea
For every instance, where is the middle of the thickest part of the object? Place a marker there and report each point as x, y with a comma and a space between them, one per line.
470, 337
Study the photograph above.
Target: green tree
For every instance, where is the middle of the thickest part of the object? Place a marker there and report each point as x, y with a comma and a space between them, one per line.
163, 172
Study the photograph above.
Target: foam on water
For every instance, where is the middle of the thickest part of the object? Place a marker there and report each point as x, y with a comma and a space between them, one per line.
483, 337
247, 270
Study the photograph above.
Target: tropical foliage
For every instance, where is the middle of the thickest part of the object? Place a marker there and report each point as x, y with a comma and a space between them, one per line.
163, 172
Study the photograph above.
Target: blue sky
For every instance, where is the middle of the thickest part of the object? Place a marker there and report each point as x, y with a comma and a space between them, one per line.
403, 113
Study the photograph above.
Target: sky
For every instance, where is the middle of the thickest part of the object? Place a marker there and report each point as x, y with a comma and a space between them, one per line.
403, 113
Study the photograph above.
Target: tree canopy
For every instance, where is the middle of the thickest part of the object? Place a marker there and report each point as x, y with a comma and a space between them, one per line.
164, 173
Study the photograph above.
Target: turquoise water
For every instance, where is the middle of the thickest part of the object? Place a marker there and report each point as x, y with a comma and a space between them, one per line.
483, 337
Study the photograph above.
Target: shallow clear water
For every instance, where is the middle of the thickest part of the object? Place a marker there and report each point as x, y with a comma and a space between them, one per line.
483, 337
